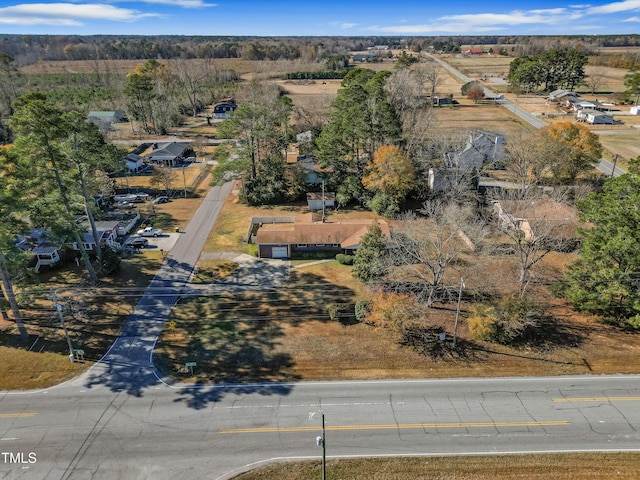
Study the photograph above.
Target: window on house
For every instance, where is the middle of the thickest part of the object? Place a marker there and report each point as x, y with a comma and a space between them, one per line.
319, 244
302, 245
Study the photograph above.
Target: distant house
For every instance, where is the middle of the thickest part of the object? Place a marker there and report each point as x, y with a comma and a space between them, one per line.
168, 154
104, 119
314, 173
287, 240
473, 51
595, 117
315, 200
561, 95
225, 108
461, 169
364, 57
134, 162
482, 148
440, 100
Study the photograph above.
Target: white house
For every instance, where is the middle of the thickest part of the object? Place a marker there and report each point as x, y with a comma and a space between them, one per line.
595, 117
134, 162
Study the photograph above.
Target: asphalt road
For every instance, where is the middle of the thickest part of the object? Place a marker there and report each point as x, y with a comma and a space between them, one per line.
603, 166
86, 430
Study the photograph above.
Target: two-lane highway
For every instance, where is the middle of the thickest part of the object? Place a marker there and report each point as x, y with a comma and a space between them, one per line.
215, 432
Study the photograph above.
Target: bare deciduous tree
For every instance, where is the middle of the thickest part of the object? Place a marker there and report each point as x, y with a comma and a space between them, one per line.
595, 79
425, 248
535, 227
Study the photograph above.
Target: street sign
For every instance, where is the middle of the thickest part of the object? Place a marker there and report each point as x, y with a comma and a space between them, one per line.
190, 364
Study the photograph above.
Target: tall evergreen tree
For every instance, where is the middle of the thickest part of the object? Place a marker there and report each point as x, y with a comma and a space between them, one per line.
605, 280
369, 263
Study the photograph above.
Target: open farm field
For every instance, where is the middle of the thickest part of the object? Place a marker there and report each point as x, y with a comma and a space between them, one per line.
482, 66
482, 116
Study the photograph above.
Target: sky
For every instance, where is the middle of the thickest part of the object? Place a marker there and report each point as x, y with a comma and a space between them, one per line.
319, 17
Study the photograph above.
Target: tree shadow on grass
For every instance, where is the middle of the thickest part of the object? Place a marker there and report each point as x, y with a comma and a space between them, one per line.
426, 340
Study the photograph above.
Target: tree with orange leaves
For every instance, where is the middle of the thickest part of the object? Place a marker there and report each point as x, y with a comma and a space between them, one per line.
391, 173
581, 153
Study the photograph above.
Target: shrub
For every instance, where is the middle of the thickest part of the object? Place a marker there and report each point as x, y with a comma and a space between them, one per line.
345, 259
337, 310
362, 309
505, 322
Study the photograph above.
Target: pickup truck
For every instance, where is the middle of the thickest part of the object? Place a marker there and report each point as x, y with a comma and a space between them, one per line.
149, 232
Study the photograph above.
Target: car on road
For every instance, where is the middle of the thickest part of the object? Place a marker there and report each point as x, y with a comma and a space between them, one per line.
125, 205
150, 232
136, 242
160, 200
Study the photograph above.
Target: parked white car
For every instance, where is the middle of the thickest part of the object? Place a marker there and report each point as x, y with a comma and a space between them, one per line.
150, 232
125, 205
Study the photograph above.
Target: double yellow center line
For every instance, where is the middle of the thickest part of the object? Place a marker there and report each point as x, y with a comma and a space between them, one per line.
17, 415
406, 426
596, 399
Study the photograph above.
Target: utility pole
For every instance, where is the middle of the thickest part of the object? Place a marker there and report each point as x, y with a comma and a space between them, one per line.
54, 297
324, 450
184, 181
455, 326
320, 441
615, 160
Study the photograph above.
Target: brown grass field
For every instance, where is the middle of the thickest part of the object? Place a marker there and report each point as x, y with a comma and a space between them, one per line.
578, 466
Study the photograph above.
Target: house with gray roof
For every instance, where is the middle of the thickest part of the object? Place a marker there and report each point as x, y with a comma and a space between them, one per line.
168, 154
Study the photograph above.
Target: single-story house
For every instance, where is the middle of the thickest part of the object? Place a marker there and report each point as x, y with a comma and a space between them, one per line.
473, 51
104, 119
315, 200
286, 240
134, 162
561, 95
595, 117
225, 108
168, 154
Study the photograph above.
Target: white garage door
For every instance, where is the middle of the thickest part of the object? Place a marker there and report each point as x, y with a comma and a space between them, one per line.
279, 252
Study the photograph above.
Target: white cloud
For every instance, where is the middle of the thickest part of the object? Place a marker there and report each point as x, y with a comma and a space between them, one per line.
181, 3
64, 14
348, 25
616, 7
632, 19
486, 22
